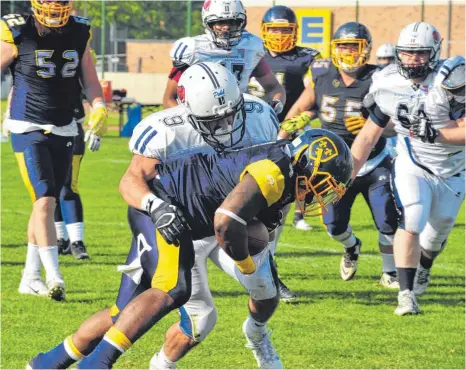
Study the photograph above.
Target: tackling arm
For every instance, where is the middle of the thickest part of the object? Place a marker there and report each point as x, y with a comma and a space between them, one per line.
8, 55
455, 135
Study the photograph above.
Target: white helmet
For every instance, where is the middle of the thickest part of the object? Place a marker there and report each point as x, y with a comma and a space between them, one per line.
214, 11
211, 94
385, 55
418, 36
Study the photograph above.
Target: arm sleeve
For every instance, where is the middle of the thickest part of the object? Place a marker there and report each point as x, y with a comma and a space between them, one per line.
176, 72
261, 69
377, 116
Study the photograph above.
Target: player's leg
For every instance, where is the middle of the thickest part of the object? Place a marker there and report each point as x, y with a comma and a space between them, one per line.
448, 197
167, 270
63, 240
263, 301
42, 159
379, 196
413, 194
197, 317
336, 220
70, 201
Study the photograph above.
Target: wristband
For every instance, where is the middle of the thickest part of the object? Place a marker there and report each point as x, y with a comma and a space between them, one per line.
246, 266
148, 201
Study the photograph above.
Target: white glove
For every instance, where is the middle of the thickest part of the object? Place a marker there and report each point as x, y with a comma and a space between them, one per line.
93, 139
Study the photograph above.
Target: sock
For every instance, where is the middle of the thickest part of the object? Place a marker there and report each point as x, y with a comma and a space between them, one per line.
76, 231
406, 278
60, 357
160, 360
348, 239
388, 262
426, 262
33, 263
49, 258
61, 230
255, 327
298, 216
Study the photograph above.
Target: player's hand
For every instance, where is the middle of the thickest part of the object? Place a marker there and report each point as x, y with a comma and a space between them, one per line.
291, 125
93, 141
354, 124
422, 128
169, 221
98, 120
277, 106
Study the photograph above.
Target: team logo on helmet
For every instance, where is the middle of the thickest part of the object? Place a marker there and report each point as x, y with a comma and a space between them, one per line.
323, 149
207, 5
180, 91
436, 35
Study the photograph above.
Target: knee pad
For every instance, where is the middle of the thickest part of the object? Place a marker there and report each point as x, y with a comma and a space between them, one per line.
197, 321
385, 239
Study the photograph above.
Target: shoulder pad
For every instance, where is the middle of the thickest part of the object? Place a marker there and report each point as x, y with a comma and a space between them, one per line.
251, 41
319, 67
308, 51
182, 52
453, 70
15, 23
82, 20
370, 70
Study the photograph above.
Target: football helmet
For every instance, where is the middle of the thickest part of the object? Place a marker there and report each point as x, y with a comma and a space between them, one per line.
229, 11
385, 55
276, 18
324, 165
51, 13
215, 104
414, 38
351, 34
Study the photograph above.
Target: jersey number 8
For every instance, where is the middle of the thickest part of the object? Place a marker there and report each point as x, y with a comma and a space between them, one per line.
49, 68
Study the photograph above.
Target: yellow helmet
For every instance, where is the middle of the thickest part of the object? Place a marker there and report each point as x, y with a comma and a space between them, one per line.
351, 33
52, 13
279, 16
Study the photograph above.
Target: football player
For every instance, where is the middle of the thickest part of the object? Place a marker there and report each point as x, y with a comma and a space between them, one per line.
336, 92
227, 42
290, 64
385, 55
48, 53
428, 177
159, 272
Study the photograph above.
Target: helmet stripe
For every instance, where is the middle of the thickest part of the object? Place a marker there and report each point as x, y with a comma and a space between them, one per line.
210, 74
416, 26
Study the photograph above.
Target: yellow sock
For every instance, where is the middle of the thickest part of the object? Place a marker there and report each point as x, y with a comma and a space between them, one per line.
71, 349
118, 339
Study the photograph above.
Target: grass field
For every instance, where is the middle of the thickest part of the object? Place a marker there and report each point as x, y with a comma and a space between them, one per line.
335, 324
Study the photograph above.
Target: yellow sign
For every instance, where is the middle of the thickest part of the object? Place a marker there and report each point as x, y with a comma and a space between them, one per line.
314, 29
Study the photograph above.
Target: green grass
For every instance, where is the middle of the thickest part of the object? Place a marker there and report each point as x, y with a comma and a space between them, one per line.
336, 324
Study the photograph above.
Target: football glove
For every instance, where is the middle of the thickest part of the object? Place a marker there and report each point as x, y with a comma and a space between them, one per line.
168, 220
354, 124
93, 139
277, 106
292, 125
98, 120
422, 128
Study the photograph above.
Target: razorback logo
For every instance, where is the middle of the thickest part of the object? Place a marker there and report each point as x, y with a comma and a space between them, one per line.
181, 93
206, 5
436, 36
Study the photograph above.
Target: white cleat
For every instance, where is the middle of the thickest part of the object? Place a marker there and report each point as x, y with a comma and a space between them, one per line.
389, 280
56, 290
421, 280
158, 364
262, 349
407, 304
302, 225
33, 286
349, 261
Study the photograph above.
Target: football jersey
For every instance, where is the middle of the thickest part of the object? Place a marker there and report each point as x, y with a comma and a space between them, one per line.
404, 102
45, 72
168, 133
290, 69
241, 60
199, 183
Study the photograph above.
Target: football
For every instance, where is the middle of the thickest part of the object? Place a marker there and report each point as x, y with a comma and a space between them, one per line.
258, 236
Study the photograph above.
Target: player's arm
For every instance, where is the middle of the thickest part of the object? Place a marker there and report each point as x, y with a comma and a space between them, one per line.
265, 77
454, 135
9, 51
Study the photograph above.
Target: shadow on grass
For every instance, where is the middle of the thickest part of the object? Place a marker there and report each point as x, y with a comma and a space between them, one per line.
318, 253
13, 245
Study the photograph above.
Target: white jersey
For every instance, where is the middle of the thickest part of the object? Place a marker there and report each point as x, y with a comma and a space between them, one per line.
241, 60
168, 134
405, 102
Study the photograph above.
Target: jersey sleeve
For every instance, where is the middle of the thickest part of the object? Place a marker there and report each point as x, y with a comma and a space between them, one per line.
312, 55
182, 52
147, 141
318, 68
10, 27
85, 26
261, 69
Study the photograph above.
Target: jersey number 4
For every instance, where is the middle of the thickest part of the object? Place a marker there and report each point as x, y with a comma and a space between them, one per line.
48, 68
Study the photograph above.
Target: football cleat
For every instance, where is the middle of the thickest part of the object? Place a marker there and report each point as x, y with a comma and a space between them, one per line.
286, 295
301, 224
349, 261
421, 280
33, 286
63, 246
78, 250
56, 290
389, 280
407, 304
262, 349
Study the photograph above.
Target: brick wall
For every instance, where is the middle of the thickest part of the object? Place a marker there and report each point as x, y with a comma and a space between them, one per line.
384, 22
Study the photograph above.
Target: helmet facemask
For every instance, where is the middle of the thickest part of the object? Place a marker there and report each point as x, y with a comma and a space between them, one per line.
416, 70
350, 60
229, 38
52, 14
279, 42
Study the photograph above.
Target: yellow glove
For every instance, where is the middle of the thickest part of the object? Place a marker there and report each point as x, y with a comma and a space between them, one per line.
98, 119
291, 125
354, 124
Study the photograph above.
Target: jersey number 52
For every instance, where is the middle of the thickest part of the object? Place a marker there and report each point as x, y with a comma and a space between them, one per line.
48, 68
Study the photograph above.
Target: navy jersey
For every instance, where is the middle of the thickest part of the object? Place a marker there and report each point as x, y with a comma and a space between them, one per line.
200, 183
46, 69
290, 68
335, 101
